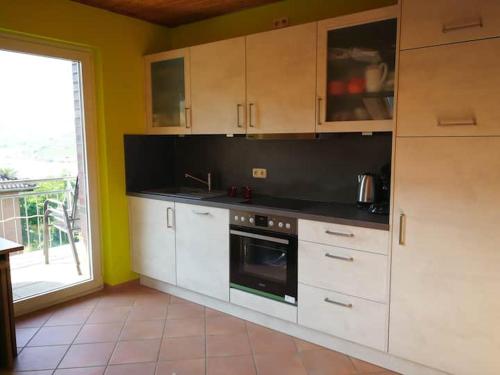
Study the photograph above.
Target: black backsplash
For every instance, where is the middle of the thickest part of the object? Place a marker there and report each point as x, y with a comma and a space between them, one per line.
322, 169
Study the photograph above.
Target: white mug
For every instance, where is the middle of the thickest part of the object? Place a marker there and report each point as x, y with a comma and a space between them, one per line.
375, 75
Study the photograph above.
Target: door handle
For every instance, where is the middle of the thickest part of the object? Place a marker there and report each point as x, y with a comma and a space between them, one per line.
250, 107
320, 99
402, 229
238, 117
187, 113
169, 210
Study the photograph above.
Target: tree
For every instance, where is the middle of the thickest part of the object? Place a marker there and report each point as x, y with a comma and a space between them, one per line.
8, 173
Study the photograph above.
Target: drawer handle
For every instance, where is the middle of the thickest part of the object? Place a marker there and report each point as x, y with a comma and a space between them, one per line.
347, 259
341, 234
201, 213
460, 26
348, 305
466, 122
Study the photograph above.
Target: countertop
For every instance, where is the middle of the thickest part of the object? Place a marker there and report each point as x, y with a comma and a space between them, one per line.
338, 213
7, 246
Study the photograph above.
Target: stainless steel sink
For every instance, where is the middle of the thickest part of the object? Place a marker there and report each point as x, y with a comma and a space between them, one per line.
187, 193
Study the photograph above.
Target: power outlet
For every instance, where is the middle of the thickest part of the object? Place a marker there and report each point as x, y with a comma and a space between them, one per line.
259, 173
280, 22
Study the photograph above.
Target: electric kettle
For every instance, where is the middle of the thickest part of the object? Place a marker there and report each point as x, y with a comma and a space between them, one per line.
366, 193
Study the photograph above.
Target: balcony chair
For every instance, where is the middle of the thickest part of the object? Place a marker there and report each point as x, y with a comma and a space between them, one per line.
64, 219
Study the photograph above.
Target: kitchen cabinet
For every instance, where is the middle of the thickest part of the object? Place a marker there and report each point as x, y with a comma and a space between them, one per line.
152, 238
426, 22
356, 72
281, 75
450, 90
202, 242
168, 94
218, 87
445, 255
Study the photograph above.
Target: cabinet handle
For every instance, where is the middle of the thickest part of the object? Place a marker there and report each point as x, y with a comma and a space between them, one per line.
341, 234
250, 106
347, 259
169, 210
320, 99
238, 118
460, 26
348, 305
201, 213
402, 229
466, 122
188, 118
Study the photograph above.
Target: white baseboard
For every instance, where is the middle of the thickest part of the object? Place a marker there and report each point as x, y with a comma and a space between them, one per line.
364, 353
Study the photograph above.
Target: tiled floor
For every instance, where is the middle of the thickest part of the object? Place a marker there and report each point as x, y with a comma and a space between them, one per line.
137, 330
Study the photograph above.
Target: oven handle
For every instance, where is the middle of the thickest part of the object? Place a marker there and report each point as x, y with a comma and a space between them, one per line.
259, 237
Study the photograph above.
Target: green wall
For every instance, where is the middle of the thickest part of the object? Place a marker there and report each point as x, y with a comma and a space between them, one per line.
118, 44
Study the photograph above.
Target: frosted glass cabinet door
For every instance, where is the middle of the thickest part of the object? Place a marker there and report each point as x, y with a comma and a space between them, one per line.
167, 92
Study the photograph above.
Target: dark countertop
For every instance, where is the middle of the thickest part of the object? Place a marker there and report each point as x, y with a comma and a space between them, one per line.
338, 213
7, 246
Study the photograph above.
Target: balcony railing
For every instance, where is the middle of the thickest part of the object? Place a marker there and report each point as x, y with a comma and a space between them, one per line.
21, 213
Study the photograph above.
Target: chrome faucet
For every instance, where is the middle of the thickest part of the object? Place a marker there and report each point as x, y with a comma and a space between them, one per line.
208, 182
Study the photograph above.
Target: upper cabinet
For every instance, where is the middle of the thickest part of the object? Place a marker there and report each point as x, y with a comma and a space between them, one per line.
281, 72
218, 87
356, 72
426, 23
168, 92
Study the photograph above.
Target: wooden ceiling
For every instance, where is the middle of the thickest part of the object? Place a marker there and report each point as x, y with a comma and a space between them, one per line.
174, 12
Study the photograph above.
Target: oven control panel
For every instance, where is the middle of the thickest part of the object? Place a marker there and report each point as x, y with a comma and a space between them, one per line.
273, 223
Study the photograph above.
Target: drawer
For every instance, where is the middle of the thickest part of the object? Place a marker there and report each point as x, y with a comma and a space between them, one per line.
350, 318
352, 272
373, 240
450, 90
426, 22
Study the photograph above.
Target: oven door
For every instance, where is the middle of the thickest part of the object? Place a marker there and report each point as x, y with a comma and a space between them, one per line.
264, 263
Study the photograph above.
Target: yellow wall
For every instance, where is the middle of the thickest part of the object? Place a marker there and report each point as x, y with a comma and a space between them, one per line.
118, 44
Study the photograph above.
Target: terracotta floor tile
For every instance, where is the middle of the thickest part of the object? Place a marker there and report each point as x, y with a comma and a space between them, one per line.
228, 345
303, 346
40, 358
185, 311
116, 300
41, 372
225, 326
68, 317
153, 300
184, 327
132, 369
87, 355
81, 371
183, 367
241, 365
177, 300
211, 313
148, 312
113, 314
182, 348
264, 341
280, 363
149, 329
327, 362
135, 352
23, 335
366, 367
106, 332
58, 335
34, 320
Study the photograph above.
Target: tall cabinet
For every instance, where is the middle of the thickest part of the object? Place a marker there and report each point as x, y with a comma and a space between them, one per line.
446, 256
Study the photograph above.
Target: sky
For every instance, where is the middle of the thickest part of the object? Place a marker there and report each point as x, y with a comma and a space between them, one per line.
37, 131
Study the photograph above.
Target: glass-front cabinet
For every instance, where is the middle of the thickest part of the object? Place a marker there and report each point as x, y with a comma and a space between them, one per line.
356, 72
168, 92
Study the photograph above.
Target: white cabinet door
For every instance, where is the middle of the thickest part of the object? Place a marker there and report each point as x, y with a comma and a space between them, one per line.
218, 87
152, 238
445, 284
450, 90
431, 22
281, 80
203, 249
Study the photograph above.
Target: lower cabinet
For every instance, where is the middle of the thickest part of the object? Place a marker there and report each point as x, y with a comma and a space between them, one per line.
202, 242
152, 238
351, 318
445, 282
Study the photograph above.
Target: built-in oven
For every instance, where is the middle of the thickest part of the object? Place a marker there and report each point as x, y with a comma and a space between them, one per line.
264, 255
